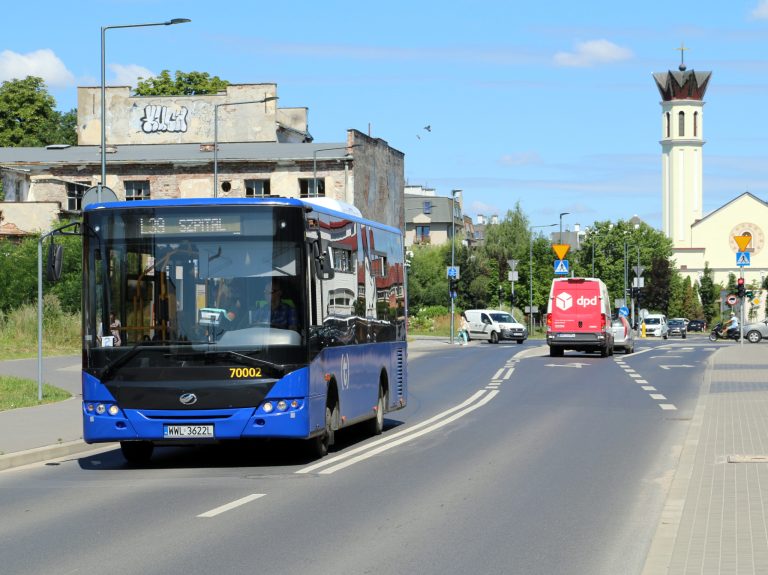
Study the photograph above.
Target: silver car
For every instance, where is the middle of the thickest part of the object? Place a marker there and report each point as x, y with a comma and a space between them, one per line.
754, 332
623, 335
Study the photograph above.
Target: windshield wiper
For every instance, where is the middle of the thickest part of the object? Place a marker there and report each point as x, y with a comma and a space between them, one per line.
243, 359
108, 369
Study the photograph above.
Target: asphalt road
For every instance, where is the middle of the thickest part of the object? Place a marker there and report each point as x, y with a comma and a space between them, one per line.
498, 465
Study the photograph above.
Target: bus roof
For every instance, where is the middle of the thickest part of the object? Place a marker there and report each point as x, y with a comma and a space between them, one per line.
320, 204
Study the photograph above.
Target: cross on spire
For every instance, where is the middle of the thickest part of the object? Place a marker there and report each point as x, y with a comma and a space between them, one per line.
682, 49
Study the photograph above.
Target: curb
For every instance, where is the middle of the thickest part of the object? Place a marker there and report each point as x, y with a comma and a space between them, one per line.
38, 454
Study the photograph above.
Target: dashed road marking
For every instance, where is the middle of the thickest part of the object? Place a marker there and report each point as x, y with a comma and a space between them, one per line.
232, 505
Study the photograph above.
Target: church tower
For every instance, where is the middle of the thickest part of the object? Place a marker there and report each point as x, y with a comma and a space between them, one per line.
682, 138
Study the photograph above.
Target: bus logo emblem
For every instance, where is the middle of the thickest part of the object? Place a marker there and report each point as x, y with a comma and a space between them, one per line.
188, 398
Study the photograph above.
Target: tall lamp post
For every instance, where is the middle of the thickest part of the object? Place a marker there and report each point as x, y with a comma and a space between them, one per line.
561, 226
453, 251
216, 135
530, 277
314, 163
104, 95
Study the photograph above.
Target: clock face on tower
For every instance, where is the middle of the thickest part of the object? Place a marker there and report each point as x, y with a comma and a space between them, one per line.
748, 229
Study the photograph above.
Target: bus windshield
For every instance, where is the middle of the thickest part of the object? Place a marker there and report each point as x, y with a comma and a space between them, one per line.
179, 287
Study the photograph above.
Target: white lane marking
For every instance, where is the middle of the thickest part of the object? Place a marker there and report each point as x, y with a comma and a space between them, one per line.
657, 396
635, 375
497, 375
667, 407
352, 452
648, 388
410, 437
509, 373
232, 505
641, 381
664, 356
668, 367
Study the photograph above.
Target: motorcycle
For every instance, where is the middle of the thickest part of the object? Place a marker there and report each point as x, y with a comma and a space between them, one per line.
717, 333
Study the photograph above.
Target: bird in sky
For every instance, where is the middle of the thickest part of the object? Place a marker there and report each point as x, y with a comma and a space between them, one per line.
428, 128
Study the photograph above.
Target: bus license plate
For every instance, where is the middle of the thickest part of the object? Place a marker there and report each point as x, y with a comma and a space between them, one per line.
187, 431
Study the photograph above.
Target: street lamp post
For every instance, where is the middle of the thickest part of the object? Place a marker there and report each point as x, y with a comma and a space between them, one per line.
453, 251
216, 135
561, 226
104, 95
530, 278
314, 164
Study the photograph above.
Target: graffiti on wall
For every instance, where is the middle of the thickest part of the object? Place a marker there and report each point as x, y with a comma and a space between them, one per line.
162, 119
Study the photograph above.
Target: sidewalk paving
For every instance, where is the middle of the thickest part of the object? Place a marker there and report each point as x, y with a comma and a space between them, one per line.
715, 519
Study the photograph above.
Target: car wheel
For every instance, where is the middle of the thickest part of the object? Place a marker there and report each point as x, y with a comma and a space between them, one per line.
628, 350
754, 336
555, 352
666, 336
494, 337
520, 341
684, 336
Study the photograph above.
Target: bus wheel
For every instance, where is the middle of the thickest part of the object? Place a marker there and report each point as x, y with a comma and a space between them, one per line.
137, 452
321, 443
376, 425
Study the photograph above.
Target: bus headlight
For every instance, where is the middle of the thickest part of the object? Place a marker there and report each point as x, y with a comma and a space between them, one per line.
113, 409
268, 407
282, 405
101, 408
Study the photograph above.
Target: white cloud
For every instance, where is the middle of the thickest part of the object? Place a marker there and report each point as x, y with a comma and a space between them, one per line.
483, 208
520, 159
129, 75
42, 63
761, 11
592, 53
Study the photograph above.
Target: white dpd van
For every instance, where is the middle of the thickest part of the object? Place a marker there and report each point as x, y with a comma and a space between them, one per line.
494, 325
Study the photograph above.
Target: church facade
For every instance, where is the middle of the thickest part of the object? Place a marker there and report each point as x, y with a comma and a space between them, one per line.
698, 239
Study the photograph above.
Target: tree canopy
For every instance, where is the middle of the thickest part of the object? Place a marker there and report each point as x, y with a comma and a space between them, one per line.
28, 115
183, 84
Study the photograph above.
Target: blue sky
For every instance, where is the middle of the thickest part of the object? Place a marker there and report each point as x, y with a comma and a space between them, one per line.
550, 104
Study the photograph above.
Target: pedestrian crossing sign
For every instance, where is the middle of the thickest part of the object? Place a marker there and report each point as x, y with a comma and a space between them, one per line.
561, 267
742, 259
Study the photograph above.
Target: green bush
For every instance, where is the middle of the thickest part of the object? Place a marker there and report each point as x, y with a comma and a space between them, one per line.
18, 330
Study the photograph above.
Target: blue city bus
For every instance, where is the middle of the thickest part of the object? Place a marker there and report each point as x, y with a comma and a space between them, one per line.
208, 320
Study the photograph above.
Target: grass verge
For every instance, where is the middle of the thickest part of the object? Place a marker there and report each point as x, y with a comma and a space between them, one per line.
17, 392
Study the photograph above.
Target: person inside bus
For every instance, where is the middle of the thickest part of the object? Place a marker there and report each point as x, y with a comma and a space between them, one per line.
230, 299
276, 311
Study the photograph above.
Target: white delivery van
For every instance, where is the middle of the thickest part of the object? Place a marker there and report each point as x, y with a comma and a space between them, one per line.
579, 316
495, 325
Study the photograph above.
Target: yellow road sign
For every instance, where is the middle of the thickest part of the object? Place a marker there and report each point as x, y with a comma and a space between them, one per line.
561, 250
742, 242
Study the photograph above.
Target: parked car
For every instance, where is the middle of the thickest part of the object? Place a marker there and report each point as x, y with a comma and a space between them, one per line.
656, 325
623, 335
754, 332
697, 325
676, 326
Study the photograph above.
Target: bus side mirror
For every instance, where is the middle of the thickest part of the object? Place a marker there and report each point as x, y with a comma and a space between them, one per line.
324, 268
55, 259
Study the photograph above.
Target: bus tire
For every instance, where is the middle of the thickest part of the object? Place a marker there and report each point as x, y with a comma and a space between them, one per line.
137, 452
320, 444
376, 425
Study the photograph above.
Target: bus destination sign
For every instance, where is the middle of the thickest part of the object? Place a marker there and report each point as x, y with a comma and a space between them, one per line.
179, 224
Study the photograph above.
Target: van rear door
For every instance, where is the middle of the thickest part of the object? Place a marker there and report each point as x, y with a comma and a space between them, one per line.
577, 306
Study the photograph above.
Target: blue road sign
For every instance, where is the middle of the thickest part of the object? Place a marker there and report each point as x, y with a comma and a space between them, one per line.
624, 311
452, 273
561, 267
742, 259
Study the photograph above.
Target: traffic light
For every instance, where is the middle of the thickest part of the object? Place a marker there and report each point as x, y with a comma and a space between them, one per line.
453, 288
741, 289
